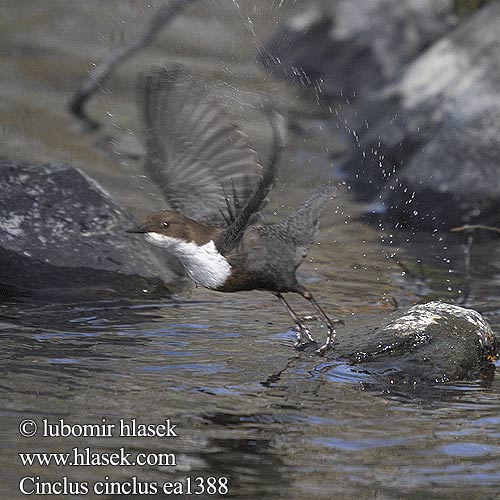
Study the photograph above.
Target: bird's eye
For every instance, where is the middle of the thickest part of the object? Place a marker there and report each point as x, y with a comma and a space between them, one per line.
165, 224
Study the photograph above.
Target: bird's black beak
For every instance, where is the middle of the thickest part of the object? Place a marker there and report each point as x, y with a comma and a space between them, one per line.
138, 229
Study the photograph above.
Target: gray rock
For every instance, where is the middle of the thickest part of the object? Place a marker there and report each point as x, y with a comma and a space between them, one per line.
355, 46
62, 234
454, 180
432, 145
304, 52
395, 30
426, 118
431, 343
451, 94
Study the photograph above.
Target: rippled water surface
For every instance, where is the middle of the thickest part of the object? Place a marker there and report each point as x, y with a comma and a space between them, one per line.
278, 423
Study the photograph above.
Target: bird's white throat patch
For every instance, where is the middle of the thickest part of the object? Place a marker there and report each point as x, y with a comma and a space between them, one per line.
203, 263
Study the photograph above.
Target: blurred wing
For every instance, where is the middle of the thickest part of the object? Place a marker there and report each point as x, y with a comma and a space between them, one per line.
232, 234
199, 159
303, 223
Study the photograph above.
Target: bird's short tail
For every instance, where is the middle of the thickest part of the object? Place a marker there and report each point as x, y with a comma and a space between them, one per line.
303, 223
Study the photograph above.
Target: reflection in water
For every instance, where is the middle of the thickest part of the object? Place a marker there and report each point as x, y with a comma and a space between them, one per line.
311, 430
278, 423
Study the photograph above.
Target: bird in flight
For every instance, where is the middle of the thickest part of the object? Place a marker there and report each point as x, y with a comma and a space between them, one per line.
215, 189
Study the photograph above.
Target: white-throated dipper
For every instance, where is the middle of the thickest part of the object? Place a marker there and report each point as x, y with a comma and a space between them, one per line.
215, 189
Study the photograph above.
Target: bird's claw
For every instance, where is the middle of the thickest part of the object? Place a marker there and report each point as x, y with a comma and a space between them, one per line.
304, 337
301, 345
330, 340
322, 350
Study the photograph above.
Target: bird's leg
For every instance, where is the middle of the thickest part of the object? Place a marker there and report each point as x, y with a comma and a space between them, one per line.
303, 335
329, 323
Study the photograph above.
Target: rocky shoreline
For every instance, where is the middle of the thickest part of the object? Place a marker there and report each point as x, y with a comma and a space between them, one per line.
419, 90
61, 234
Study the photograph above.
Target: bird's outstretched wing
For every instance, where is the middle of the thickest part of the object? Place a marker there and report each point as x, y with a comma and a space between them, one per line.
201, 161
232, 234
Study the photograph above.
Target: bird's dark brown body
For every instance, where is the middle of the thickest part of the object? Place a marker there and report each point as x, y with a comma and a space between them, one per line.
216, 188
262, 262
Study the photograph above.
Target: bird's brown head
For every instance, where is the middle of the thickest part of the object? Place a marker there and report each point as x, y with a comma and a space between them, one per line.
175, 225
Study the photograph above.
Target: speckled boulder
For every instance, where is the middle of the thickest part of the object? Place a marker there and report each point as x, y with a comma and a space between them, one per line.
61, 233
430, 343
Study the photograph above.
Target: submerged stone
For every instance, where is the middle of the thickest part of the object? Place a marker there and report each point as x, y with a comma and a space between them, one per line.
61, 234
431, 343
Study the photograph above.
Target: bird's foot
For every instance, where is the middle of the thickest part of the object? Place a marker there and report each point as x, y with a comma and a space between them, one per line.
300, 345
330, 339
304, 337
325, 347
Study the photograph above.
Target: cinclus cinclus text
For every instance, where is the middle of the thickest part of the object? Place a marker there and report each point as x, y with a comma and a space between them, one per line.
216, 188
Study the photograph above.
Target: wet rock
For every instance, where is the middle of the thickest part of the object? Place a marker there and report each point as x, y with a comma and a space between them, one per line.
61, 234
304, 52
426, 119
353, 47
453, 180
431, 343
451, 95
434, 151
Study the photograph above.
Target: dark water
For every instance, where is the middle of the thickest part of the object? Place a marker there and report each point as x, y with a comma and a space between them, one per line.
277, 423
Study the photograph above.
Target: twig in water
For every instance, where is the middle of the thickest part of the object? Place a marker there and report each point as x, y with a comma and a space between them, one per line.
469, 231
475, 227
102, 72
